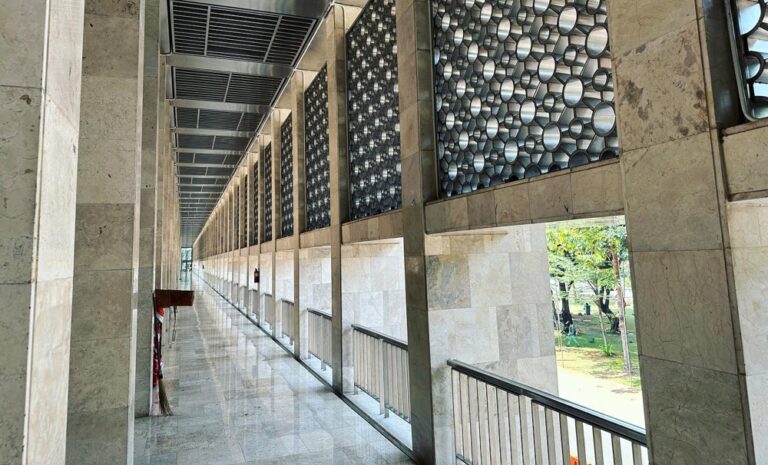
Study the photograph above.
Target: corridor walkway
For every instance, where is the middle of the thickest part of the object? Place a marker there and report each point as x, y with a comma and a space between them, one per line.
238, 398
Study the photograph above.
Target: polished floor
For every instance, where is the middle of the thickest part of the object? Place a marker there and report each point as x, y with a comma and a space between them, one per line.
238, 398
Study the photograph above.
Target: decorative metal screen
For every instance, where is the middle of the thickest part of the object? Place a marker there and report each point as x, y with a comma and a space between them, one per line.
751, 28
286, 178
373, 111
244, 212
255, 238
268, 193
317, 169
235, 236
522, 88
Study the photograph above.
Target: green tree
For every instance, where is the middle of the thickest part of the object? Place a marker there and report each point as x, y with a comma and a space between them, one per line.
593, 255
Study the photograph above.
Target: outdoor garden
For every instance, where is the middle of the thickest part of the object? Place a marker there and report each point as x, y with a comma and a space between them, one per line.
594, 320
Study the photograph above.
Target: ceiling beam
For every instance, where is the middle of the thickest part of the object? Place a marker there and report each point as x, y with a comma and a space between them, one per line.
207, 151
203, 165
219, 106
203, 176
252, 68
307, 8
212, 132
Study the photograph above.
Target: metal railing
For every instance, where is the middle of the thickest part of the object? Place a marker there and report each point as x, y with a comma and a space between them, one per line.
319, 336
254, 305
286, 308
381, 370
498, 421
270, 315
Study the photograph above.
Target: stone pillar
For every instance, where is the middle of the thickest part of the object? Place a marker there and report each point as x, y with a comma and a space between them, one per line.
40, 84
276, 121
414, 61
338, 160
260, 144
153, 104
490, 305
104, 305
748, 228
672, 68
162, 154
299, 211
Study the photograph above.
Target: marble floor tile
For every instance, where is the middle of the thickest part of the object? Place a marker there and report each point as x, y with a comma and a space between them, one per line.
239, 398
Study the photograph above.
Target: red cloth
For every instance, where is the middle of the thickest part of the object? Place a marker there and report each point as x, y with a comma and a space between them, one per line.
157, 358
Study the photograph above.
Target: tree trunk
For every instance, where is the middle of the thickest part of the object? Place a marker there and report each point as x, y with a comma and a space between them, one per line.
565, 307
602, 324
622, 311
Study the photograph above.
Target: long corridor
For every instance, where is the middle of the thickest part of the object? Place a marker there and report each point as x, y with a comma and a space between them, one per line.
238, 398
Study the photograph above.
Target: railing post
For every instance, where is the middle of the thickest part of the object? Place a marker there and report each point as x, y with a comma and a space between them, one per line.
383, 384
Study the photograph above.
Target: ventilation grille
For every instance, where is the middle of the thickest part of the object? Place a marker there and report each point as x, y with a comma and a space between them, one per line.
225, 87
227, 120
218, 31
193, 118
187, 141
230, 143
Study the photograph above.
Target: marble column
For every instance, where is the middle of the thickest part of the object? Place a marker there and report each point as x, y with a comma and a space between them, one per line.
299, 211
276, 121
40, 85
152, 106
260, 222
748, 229
673, 94
338, 160
160, 181
414, 61
104, 304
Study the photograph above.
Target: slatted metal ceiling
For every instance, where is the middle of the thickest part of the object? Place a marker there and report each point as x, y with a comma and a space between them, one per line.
195, 118
218, 31
207, 158
210, 29
214, 86
190, 141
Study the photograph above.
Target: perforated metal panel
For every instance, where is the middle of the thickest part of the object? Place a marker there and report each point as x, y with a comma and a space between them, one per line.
751, 17
373, 108
244, 211
522, 88
317, 168
255, 199
236, 217
268, 193
286, 178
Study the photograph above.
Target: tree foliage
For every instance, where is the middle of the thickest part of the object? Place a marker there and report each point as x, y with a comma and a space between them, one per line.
592, 255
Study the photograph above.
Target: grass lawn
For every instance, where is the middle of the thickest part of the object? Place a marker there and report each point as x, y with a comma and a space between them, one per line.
583, 352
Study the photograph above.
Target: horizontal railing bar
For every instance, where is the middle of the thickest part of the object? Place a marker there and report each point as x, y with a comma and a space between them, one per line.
319, 313
388, 339
594, 418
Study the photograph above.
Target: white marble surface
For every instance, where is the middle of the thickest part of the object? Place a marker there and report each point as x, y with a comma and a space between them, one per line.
240, 399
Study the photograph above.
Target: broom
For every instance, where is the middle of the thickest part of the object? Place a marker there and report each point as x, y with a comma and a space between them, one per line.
165, 405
